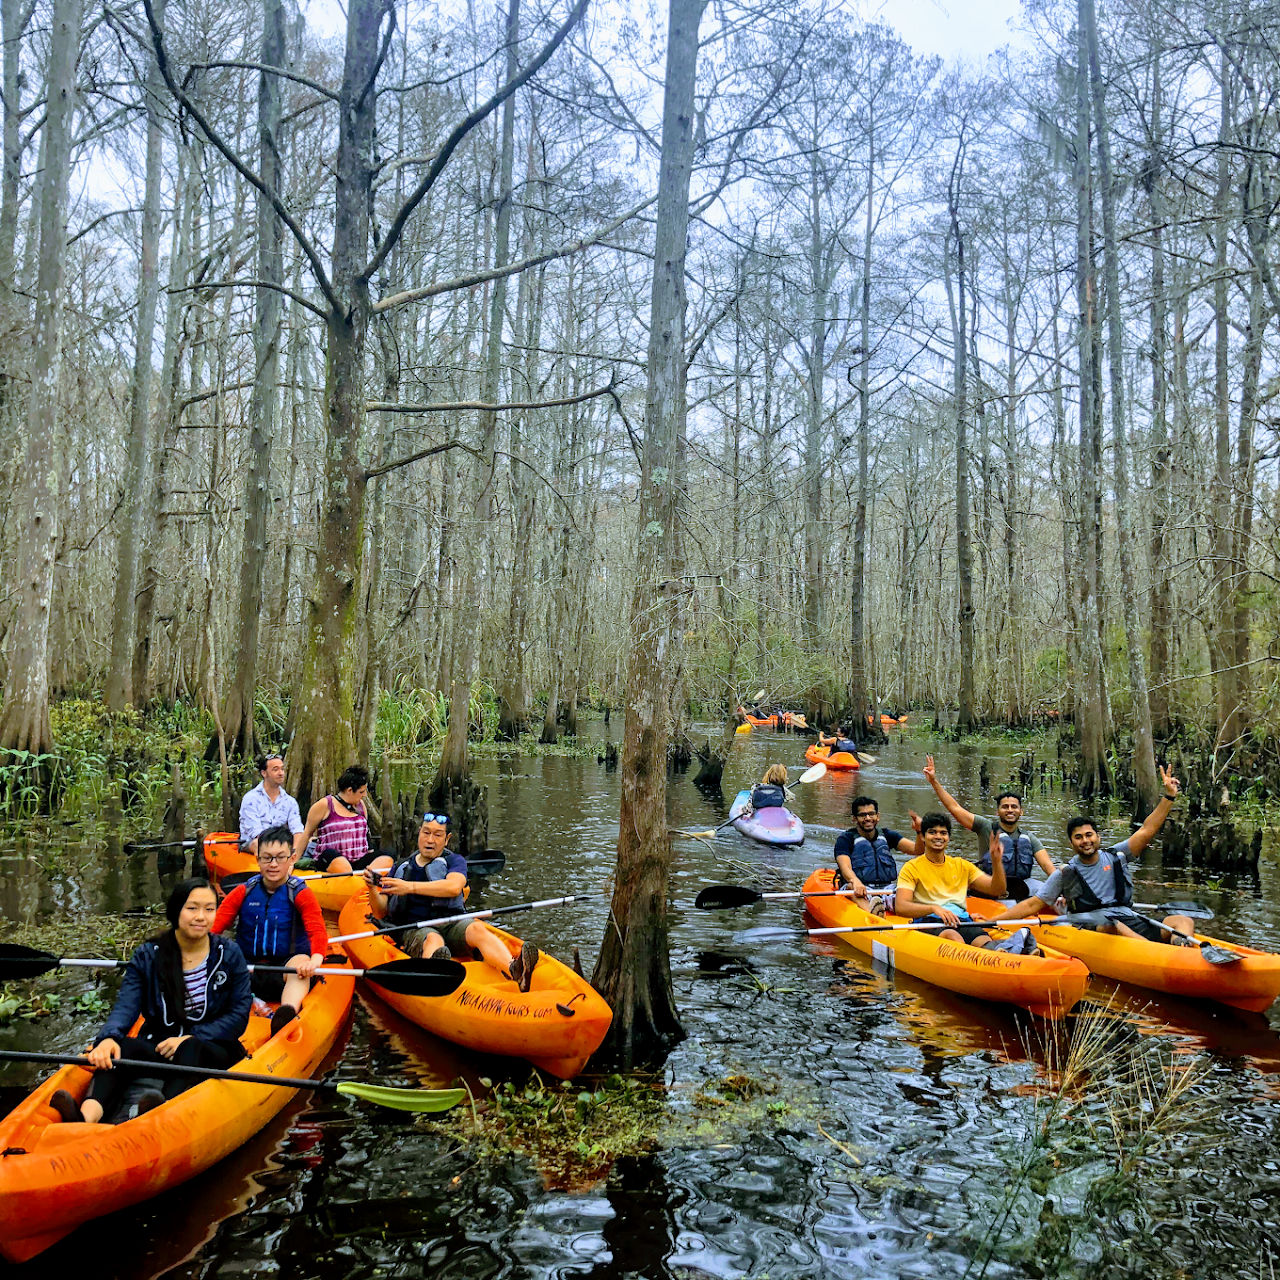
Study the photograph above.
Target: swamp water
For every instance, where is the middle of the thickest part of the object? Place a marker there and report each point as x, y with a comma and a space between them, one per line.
821, 1119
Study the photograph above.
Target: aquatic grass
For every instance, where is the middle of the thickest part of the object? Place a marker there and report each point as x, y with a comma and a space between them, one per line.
1110, 1098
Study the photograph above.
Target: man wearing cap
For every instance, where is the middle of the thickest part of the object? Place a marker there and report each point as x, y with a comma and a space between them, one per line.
426, 890
269, 805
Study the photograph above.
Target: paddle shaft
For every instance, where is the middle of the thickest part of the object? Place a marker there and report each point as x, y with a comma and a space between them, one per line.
470, 915
885, 928
76, 963
171, 1068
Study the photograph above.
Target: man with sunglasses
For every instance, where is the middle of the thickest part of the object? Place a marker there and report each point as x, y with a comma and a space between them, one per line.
269, 805
426, 890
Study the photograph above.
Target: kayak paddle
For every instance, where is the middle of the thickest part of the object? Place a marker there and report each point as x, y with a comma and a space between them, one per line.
811, 774
784, 935
469, 915
481, 867
1194, 910
406, 977
396, 1099
725, 897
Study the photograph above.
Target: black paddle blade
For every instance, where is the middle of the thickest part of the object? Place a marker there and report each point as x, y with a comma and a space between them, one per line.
22, 962
493, 862
234, 882
721, 897
1091, 918
419, 977
1192, 910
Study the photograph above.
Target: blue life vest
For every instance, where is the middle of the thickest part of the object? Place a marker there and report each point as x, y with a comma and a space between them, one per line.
1019, 858
873, 861
846, 744
419, 906
769, 797
269, 928
1081, 898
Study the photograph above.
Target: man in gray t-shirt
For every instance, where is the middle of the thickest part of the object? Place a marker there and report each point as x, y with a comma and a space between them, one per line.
1023, 852
1099, 879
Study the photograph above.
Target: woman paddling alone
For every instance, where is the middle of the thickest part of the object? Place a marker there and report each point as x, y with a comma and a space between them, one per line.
191, 989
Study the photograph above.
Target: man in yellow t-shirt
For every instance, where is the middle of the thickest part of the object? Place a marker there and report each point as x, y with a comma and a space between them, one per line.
932, 887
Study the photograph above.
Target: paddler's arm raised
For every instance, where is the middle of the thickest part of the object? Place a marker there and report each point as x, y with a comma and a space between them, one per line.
1155, 819
996, 884
949, 802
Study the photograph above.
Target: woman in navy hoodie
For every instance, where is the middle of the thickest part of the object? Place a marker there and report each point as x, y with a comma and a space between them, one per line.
191, 989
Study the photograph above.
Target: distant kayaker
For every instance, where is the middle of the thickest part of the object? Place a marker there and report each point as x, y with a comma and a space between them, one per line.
191, 989
427, 889
932, 887
278, 921
269, 805
1098, 879
340, 825
1023, 852
771, 792
864, 857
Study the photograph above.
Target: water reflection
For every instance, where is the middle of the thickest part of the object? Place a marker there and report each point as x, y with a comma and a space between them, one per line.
902, 1101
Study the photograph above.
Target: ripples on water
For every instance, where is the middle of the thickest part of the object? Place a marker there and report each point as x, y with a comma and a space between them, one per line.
927, 1097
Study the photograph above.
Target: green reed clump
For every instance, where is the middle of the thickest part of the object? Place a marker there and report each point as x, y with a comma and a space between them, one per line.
1078, 1187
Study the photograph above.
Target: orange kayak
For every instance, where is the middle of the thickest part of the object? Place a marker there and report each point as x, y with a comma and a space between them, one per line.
557, 1025
1048, 985
833, 760
1252, 983
56, 1176
224, 857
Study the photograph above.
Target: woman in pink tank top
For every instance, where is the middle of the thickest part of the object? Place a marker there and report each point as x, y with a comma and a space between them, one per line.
340, 826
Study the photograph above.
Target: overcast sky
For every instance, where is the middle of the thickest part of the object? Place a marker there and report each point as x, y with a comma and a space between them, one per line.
967, 28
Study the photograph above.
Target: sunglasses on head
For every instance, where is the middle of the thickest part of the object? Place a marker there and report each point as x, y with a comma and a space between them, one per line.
441, 818
275, 755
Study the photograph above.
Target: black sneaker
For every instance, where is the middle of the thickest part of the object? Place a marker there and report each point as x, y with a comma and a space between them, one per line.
528, 959
442, 953
66, 1106
149, 1101
284, 1015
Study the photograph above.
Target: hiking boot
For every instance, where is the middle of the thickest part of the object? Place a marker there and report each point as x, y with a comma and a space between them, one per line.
515, 970
284, 1015
528, 959
442, 953
66, 1106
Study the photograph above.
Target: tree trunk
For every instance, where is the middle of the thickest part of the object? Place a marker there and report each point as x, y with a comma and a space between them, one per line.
859, 702
1161, 568
633, 971
237, 719
1144, 760
815, 533
24, 723
323, 745
119, 691
1221, 647
453, 756
1090, 714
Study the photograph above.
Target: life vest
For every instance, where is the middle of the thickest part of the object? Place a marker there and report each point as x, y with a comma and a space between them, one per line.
269, 927
1081, 898
769, 797
1019, 858
845, 744
872, 860
419, 906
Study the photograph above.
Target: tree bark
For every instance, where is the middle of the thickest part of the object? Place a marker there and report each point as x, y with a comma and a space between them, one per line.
119, 692
24, 722
633, 971
1090, 713
238, 717
1144, 760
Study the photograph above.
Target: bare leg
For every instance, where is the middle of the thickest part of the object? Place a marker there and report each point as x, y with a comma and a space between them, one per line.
489, 945
295, 987
91, 1111
338, 865
431, 944
1183, 923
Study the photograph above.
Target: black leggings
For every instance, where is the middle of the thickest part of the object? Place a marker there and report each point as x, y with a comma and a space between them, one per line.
107, 1087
